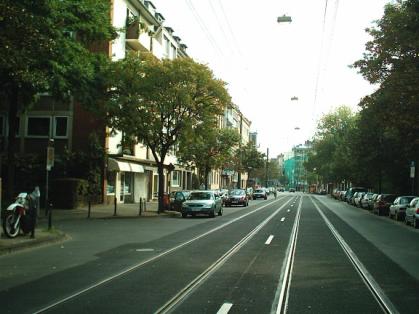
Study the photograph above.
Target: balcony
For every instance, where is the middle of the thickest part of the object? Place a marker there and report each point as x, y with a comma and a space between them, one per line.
137, 37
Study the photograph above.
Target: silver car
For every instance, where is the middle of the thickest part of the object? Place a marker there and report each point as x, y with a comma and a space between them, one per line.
412, 213
202, 202
398, 208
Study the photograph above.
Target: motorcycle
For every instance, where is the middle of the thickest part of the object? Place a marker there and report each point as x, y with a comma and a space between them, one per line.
16, 217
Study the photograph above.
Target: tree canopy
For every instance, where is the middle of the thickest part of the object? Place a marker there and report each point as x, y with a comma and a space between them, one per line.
159, 102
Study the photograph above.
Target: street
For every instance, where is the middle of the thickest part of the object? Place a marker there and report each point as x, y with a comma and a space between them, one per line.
299, 253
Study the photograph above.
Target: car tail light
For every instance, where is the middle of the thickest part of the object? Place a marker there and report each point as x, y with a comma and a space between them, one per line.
417, 211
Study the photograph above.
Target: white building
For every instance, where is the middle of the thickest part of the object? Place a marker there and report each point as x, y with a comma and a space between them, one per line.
132, 172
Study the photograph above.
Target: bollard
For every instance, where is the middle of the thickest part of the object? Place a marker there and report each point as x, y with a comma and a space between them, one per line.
114, 204
89, 207
141, 207
49, 216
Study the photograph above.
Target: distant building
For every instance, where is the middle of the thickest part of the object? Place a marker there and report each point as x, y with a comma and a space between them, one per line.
293, 166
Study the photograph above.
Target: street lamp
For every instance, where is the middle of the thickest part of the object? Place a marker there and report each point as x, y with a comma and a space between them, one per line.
284, 19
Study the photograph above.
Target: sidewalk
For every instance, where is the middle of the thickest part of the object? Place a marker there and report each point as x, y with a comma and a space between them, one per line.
101, 211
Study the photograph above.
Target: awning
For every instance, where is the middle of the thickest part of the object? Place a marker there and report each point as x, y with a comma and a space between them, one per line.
117, 165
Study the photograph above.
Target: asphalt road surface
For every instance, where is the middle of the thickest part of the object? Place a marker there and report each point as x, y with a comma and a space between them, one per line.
298, 253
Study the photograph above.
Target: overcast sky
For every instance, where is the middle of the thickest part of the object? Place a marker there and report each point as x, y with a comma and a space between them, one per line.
266, 63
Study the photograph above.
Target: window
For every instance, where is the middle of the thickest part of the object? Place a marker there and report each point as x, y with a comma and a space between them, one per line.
61, 127
38, 126
111, 180
175, 178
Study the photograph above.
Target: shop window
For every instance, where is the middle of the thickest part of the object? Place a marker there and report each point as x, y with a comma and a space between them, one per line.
111, 181
38, 126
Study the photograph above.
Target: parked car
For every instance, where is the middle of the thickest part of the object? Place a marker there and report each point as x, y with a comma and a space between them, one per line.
372, 200
357, 198
177, 198
236, 197
260, 193
291, 190
412, 213
365, 200
281, 190
398, 208
351, 191
342, 195
202, 202
382, 204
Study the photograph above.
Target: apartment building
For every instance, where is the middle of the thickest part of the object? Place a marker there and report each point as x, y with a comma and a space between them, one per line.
229, 178
132, 171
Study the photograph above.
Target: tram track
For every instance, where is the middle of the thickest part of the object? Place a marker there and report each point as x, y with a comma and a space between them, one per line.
106, 280
377, 292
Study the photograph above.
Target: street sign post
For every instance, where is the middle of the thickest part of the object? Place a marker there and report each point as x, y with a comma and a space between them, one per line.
49, 165
412, 176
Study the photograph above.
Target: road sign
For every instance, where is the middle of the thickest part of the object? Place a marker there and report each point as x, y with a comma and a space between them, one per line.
50, 157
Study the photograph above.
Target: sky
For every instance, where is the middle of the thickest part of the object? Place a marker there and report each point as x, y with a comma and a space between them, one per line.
266, 63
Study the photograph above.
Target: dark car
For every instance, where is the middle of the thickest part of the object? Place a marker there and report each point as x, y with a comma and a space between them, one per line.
382, 204
260, 193
236, 197
177, 198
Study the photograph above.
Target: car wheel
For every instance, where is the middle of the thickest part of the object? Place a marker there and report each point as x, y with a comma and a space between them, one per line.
406, 221
396, 216
212, 213
184, 215
415, 223
220, 212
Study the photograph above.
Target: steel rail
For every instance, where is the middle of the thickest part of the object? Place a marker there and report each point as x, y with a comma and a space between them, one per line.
281, 299
375, 289
190, 287
149, 260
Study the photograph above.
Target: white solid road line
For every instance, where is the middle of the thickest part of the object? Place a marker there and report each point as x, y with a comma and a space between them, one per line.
144, 250
269, 240
225, 308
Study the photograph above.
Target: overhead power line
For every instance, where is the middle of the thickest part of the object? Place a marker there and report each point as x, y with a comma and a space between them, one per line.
204, 28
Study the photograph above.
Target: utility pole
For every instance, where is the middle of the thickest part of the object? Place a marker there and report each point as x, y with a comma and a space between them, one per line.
239, 174
266, 167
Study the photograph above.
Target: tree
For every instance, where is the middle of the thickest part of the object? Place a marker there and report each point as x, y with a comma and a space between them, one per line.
330, 155
159, 102
209, 149
250, 158
391, 60
45, 49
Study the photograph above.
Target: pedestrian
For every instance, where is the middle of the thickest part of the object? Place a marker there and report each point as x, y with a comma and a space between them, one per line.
275, 191
33, 200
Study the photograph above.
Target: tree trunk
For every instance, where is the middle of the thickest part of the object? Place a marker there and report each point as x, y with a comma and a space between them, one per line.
11, 142
160, 171
239, 179
207, 170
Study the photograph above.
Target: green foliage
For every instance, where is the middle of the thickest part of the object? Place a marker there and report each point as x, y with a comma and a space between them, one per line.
388, 130
330, 155
250, 157
209, 148
157, 102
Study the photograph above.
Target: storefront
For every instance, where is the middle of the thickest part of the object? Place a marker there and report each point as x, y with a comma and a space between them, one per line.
126, 181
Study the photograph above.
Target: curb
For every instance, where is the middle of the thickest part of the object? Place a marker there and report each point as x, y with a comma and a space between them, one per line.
34, 243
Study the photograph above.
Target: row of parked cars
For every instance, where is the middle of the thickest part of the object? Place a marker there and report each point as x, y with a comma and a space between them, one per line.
399, 207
